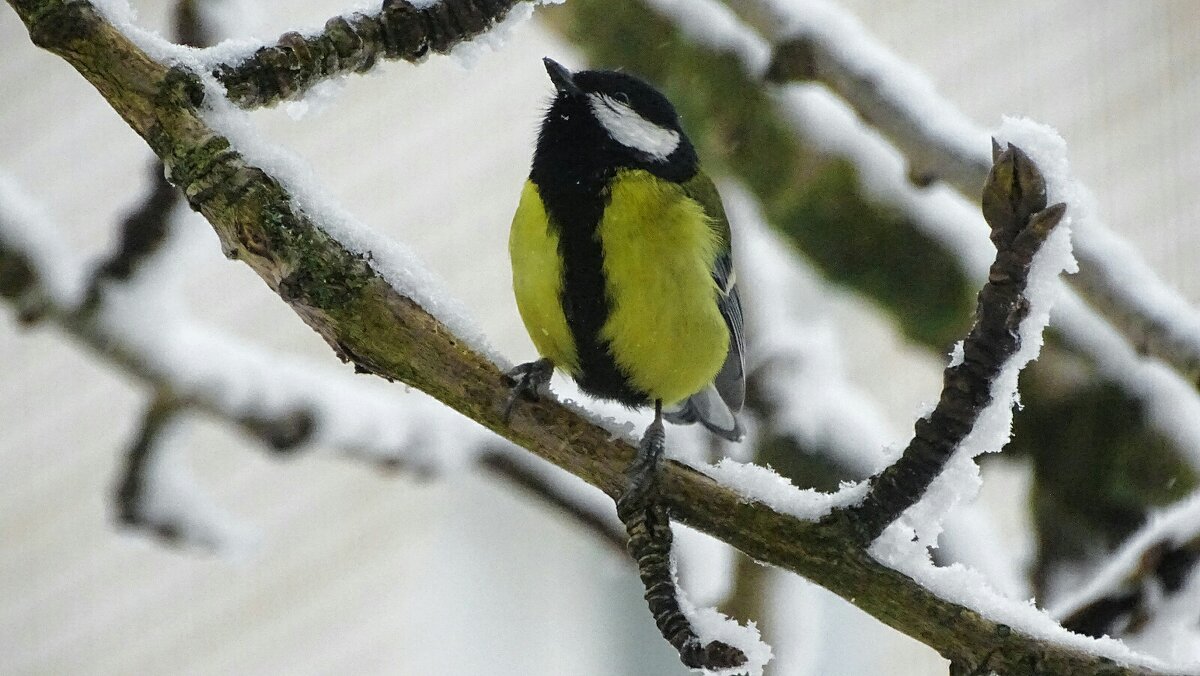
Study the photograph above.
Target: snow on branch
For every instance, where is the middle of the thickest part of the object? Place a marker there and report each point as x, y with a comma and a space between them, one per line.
339, 293
256, 75
353, 44
1149, 586
818, 41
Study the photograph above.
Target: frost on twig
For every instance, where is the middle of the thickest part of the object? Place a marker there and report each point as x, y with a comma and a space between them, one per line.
353, 44
1015, 206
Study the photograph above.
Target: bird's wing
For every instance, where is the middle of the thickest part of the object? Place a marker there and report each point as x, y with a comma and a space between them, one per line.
731, 379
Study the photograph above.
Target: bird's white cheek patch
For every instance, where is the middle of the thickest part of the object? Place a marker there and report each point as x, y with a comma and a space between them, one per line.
632, 130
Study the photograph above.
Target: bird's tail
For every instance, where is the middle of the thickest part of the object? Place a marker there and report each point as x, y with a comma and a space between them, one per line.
709, 409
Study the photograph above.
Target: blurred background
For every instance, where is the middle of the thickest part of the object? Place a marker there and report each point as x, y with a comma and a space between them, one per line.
356, 570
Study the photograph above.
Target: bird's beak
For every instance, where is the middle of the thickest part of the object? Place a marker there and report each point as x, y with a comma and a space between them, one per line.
562, 78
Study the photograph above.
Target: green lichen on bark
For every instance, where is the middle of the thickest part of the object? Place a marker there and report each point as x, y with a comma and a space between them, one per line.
814, 199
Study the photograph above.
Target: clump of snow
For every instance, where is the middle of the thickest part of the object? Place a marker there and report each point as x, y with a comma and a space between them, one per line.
710, 625
468, 53
317, 99
762, 484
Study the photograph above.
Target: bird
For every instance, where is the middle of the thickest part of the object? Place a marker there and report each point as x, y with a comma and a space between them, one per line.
622, 261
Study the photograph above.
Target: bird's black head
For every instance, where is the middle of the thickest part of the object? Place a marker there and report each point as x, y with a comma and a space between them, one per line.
602, 121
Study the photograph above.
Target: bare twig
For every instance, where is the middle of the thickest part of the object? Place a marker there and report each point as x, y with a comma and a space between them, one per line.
134, 477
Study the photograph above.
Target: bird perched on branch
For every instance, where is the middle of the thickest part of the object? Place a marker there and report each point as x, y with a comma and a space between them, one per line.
621, 261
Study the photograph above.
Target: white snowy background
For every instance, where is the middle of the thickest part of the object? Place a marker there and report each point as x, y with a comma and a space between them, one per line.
346, 570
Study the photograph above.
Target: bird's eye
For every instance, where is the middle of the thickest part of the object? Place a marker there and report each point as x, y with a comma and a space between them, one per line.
621, 97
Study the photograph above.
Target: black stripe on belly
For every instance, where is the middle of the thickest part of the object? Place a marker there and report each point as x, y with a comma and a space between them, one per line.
575, 209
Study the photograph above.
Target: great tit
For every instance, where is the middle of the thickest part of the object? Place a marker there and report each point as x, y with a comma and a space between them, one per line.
621, 257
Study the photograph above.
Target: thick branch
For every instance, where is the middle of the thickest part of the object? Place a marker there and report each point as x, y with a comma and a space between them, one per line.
353, 44
339, 294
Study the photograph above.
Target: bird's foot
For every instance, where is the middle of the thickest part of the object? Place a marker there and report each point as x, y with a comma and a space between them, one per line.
528, 381
644, 471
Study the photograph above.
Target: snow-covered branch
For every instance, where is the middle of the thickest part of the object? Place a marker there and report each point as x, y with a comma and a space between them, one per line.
1151, 584
127, 312
818, 41
354, 43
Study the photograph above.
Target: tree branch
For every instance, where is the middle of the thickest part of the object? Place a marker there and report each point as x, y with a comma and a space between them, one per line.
354, 44
339, 294
1154, 574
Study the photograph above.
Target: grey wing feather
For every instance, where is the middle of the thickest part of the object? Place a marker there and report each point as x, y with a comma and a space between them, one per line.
731, 379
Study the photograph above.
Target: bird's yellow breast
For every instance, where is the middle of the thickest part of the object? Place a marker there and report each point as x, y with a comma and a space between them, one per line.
664, 329
538, 281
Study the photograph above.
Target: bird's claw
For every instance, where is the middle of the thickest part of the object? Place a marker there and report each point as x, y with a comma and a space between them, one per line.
527, 381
